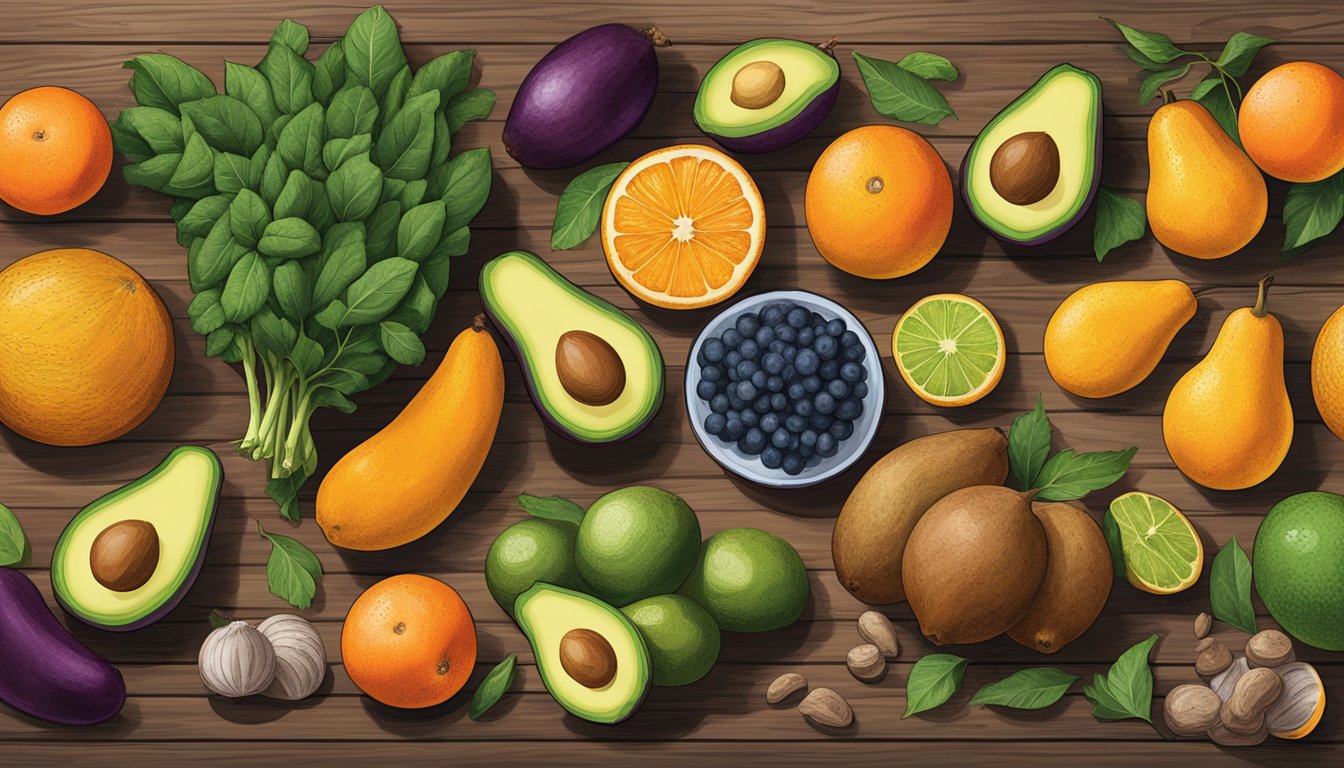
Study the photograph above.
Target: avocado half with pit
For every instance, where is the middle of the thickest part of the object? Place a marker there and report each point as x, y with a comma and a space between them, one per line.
592, 659
594, 374
1032, 172
767, 93
129, 558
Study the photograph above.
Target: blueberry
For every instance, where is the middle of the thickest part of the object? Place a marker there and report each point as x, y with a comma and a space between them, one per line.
808, 437
829, 370
851, 373
734, 401
823, 402
790, 354
775, 346
731, 338
762, 404
773, 363
745, 369
786, 334
821, 421
754, 441
838, 389
835, 328
775, 384
747, 324
854, 354
714, 423
841, 430
732, 377
825, 346
765, 335
794, 443
719, 403
806, 362
706, 389
733, 429
826, 445
806, 337
797, 317
769, 423
711, 373
859, 391
793, 464
780, 439
746, 390
772, 458
803, 407
849, 409
750, 418
778, 401
796, 391
759, 378
714, 350
750, 349
732, 359
812, 384
849, 339
817, 319
807, 451
700, 358
772, 314
795, 423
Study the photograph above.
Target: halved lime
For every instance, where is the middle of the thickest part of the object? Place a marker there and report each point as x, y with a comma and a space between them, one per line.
1162, 550
949, 349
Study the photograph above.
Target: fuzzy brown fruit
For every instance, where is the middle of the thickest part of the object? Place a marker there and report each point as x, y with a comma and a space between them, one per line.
1077, 581
125, 555
870, 535
974, 563
1025, 168
589, 368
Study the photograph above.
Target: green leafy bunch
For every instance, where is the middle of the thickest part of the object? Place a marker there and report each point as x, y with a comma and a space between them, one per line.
321, 206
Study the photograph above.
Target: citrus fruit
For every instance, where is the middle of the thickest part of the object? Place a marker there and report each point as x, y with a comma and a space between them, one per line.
1299, 567
1163, 553
1292, 122
86, 347
409, 641
1327, 373
55, 150
879, 202
949, 349
683, 227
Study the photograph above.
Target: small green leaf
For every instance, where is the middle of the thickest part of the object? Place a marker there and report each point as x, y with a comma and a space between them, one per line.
1029, 445
465, 186
420, 230
272, 334
210, 262
1110, 529
292, 291
391, 100
1035, 688
1219, 103
1120, 219
1126, 690
401, 343
329, 73
932, 681
373, 50
1311, 211
404, 146
1230, 587
902, 95
380, 231
292, 570
285, 492
250, 87
929, 66
476, 104
219, 619
338, 150
300, 143
155, 173
342, 261
377, 291
353, 189
166, 82
197, 166
292, 35
551, 508
205, 312
290, 238
219, 341
227, 123
417, 309
448, 75
13, 541
201, 218
1210, 81
1142, 61
492, 688
246, 289
249, 216
296, 197
354, 110
306, 355
1155, 45
1153, 81
159, 130
332, 316
580, 206
1068, 475
290, 77
1240, 51
234, 173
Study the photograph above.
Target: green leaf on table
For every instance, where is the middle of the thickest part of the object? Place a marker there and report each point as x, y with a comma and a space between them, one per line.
1218, 101
1126, 690
292, 35
932, 681
329, 73
378, 290
900, 94
219, 619
1029, 445
551, 508
1230, 587
929, 66
1311, 211
1154, 45
580, 206
1143, 62
464, 186
401, 343
373, 52
284, 491
13, 542
292, 570
1239, 52
247, 288
447, 75
227, 123
1110, 530
290, 77
166, 82
1120, 219
1035, 688
1153, 81
476, 104
1069, 475
492, 688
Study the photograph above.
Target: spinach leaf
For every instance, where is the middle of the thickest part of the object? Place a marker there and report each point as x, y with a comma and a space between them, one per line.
273, 178
342, 261
306, 354
196, 167
1230, 587
201, 217
370, 297
1035, 688
404, 146
373, 51
250, 87
292, 291
227, 123
420, 230
296, 197
329, 72
447, 75
246, 289
580, 205
154, 173
205, 312
273, 335
465, 186
249, 216
392, 100
211, 262
476, 104
219, 341
401, 343
159, 130
492, 688
300, 144
442, 145
354, 110
166, 82
417, 309
290, 77
1029, 445
380, 231
353, 188
233, 173
932, 681
291, 35
338, 150
292, 570
291, 238
14, 548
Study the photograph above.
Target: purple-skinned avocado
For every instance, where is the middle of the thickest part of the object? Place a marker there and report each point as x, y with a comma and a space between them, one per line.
586, 94
44, 671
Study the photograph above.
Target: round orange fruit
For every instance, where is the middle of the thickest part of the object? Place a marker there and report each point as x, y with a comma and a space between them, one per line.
86, 347
1327, 372
683, 227
55, 150
879, 202
1292, 122
409, 641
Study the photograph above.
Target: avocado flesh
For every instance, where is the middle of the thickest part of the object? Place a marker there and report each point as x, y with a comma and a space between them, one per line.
546, 613
179, 498
1066, 104
534, 306
809, 72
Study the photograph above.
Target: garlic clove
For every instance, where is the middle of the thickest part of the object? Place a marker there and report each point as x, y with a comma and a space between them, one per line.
300, 657
236, 660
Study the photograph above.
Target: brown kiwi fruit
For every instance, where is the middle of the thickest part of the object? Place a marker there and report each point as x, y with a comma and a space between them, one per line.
1078, 575
974, 563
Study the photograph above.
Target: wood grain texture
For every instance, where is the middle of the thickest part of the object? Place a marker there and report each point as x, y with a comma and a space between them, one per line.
1001, 47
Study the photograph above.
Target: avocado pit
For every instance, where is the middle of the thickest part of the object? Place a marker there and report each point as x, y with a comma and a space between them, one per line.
589, 368
588, 658
757, 85
125, 555
1025, 168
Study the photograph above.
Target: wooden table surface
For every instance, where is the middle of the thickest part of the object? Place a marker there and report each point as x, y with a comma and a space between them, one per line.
1001, 47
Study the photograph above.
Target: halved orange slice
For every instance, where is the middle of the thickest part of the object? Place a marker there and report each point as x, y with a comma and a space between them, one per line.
683, 227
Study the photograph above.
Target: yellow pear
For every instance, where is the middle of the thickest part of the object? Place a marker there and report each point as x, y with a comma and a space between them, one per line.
1228, 422
1205, 197
1105, 338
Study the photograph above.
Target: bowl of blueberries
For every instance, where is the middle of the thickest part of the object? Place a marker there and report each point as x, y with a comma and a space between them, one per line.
784, 389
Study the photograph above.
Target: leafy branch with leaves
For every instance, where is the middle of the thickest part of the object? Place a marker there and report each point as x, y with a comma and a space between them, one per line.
1066, 475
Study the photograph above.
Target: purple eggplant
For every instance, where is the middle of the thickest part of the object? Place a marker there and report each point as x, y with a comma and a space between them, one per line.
588, 93
44, 672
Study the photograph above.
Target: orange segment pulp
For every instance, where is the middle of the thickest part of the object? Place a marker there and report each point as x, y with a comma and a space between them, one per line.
683, 227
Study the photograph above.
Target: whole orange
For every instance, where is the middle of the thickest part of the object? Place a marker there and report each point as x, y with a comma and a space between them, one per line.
1292, 122
879, 202
86, 347
55, 150
409, 641
1327, 373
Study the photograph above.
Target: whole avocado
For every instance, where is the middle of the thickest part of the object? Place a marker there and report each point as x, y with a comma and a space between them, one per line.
1299, 567
749, 580
636, 542
527, 552
586, 94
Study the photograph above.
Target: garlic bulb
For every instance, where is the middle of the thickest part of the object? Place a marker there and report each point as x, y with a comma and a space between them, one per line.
237, 660
300, 658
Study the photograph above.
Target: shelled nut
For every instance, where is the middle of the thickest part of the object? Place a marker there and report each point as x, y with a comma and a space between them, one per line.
1213, 657
877, 629
1203, 623
865, 662
1269, 648
1253, 695
1226, 738
827, 708
1191, 709
785, 686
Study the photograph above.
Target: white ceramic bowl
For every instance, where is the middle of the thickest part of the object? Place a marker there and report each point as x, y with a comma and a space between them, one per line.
817, 470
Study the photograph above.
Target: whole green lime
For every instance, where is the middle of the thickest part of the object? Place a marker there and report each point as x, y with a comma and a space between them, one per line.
529, 551
682, 638
636, 542
749, 580
1299, 567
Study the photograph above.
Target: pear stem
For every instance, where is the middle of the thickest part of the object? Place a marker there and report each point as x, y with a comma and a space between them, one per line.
1261, 307
1169, 97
